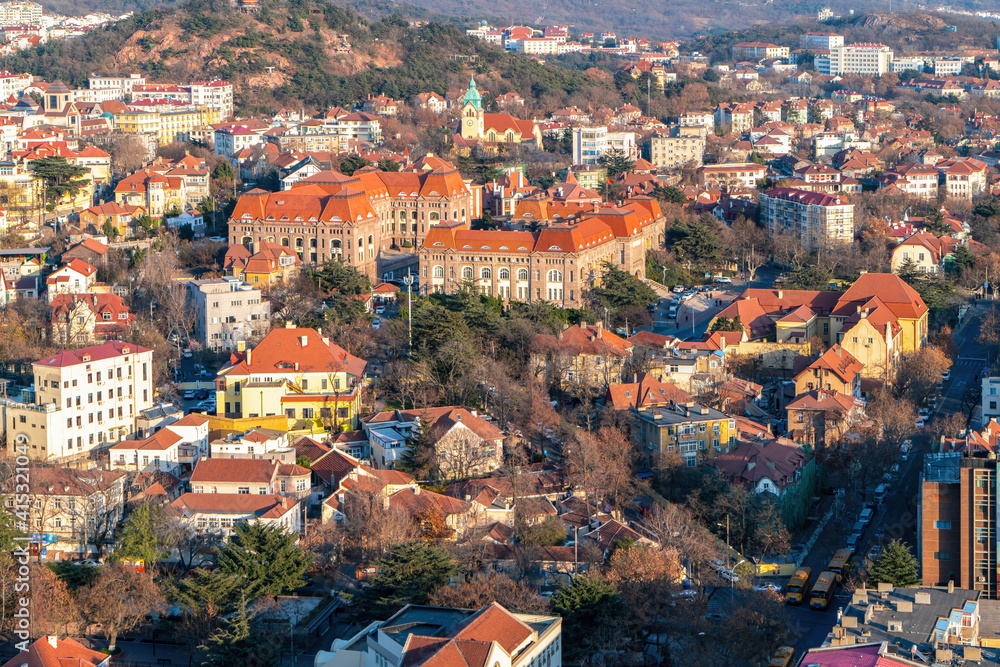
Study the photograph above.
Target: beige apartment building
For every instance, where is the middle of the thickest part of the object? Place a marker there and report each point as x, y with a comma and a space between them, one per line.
681, 145
812, 217
82, 401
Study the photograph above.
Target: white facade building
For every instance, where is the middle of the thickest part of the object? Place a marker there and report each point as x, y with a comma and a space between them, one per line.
812, 217
866, 59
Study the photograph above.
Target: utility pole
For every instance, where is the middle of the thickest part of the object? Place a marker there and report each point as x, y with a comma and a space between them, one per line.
408, 280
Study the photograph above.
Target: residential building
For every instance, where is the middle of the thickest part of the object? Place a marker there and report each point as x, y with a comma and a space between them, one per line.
50, 651
866, 59
811, 218
645, 390
71, 509
991, 398
76, 277
174, 448
257, 443
739, 117
901, 64
441, 636
87, 318
823, 417
682, 145
590, 144
773, 467
464, 442
316, 384
835, 370
963, 178
927, 253
82, 400
155, 193
912, 178
740, 175
268, 263
758, 51
227, 311
556, 264
121, 218
689, 431
587, 355
91, 251
820, 40
216, 514
878, 308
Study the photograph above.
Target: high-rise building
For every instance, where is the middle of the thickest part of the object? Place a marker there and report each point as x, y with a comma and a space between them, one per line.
957, 515
867, 59
810, 216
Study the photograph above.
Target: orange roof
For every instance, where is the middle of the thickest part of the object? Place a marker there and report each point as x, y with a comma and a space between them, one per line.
838, 361
647, 391
259, 471
581, 339
294, 351
64, 653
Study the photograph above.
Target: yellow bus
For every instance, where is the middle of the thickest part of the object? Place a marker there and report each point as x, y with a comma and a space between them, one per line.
838, 564
798, 586
823, 591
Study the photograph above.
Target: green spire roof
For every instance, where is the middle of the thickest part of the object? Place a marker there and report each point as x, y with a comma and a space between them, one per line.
473, 95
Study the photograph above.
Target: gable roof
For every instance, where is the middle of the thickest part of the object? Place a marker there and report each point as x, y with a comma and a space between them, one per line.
234, 470
838, 361
646, 391
67, 652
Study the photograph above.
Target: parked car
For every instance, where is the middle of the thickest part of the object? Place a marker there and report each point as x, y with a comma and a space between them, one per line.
379, 309
920, 421
377, 323
188, 395
724, 281
866, 516
875, 551
945, 376
187, 354
677, 289
852, 541
201, 394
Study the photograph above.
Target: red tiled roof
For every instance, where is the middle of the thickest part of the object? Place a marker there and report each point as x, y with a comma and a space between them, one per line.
113, 348
647, 391
263, 506
66, 653
578, 339
234, 470
295, 351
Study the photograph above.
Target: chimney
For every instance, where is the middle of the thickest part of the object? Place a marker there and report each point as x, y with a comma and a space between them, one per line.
781, 295
837, 350
249, 357
583, 324
416, 490
326, 341
289, 324
951, 586
241, 346
53, 641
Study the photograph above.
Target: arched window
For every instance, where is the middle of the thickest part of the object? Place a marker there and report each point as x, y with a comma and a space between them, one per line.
312, 243
504, 274
439, 272
434, 216
371, 239
298, 242
247, 241
284, 241
522, 274
555, 276
485, 273
467, 272
335, 243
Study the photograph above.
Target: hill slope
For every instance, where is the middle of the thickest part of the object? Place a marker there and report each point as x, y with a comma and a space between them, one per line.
287, 55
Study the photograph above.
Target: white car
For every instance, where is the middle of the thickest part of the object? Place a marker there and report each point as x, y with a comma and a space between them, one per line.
377, 323
724, 281
187, 354
945, 376
920, 422
677, 289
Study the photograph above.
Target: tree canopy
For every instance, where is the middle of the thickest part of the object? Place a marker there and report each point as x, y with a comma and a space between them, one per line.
896, 566
60, 177
407, 574
266, 559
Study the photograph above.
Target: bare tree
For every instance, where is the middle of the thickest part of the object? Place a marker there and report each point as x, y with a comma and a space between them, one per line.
371, 526
118, 601
921, 371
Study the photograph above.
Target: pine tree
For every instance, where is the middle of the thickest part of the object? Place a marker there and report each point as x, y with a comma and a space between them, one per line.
896, 566
591, 609
240, 643
139, 539
265, 558
408, 574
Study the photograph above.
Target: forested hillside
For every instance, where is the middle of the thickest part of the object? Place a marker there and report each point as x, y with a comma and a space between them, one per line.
287, 55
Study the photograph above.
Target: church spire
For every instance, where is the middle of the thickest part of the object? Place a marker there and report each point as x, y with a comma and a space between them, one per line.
472, 96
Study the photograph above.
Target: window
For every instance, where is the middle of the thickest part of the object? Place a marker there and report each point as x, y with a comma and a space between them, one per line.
467, 272
486, 273
942, 555
243, 490
439, 272
942, 525
504, 274
555, 276
522, 274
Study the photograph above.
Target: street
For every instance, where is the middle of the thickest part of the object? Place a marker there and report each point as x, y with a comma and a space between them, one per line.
896, 517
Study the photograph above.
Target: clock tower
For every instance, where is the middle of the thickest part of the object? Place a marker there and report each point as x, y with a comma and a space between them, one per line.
471, 123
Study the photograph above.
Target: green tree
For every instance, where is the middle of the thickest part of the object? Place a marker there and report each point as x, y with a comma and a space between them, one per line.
566, 140
267, 559
224, 172
304, 461
342, 279
670, 194
616, 162
110, 230
60, 177
408, 574
963, 259
387, 164
695, 240
727, 324
352, 163
185, 232
206, 593
589, 607
935, 224
486, 222
620, 289
757, 158
140, 535
896, 566
240, 642
908, 271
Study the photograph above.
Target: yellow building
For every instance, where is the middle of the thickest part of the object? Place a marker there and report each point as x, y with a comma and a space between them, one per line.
316, 384
691, 431
138, 122
155, 193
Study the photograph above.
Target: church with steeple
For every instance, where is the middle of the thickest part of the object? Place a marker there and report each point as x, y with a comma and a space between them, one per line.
488, 130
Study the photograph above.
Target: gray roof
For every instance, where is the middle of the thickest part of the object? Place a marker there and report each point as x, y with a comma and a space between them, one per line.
680, 413
943, 468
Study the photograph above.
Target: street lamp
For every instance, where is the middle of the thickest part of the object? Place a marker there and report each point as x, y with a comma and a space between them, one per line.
408, 281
